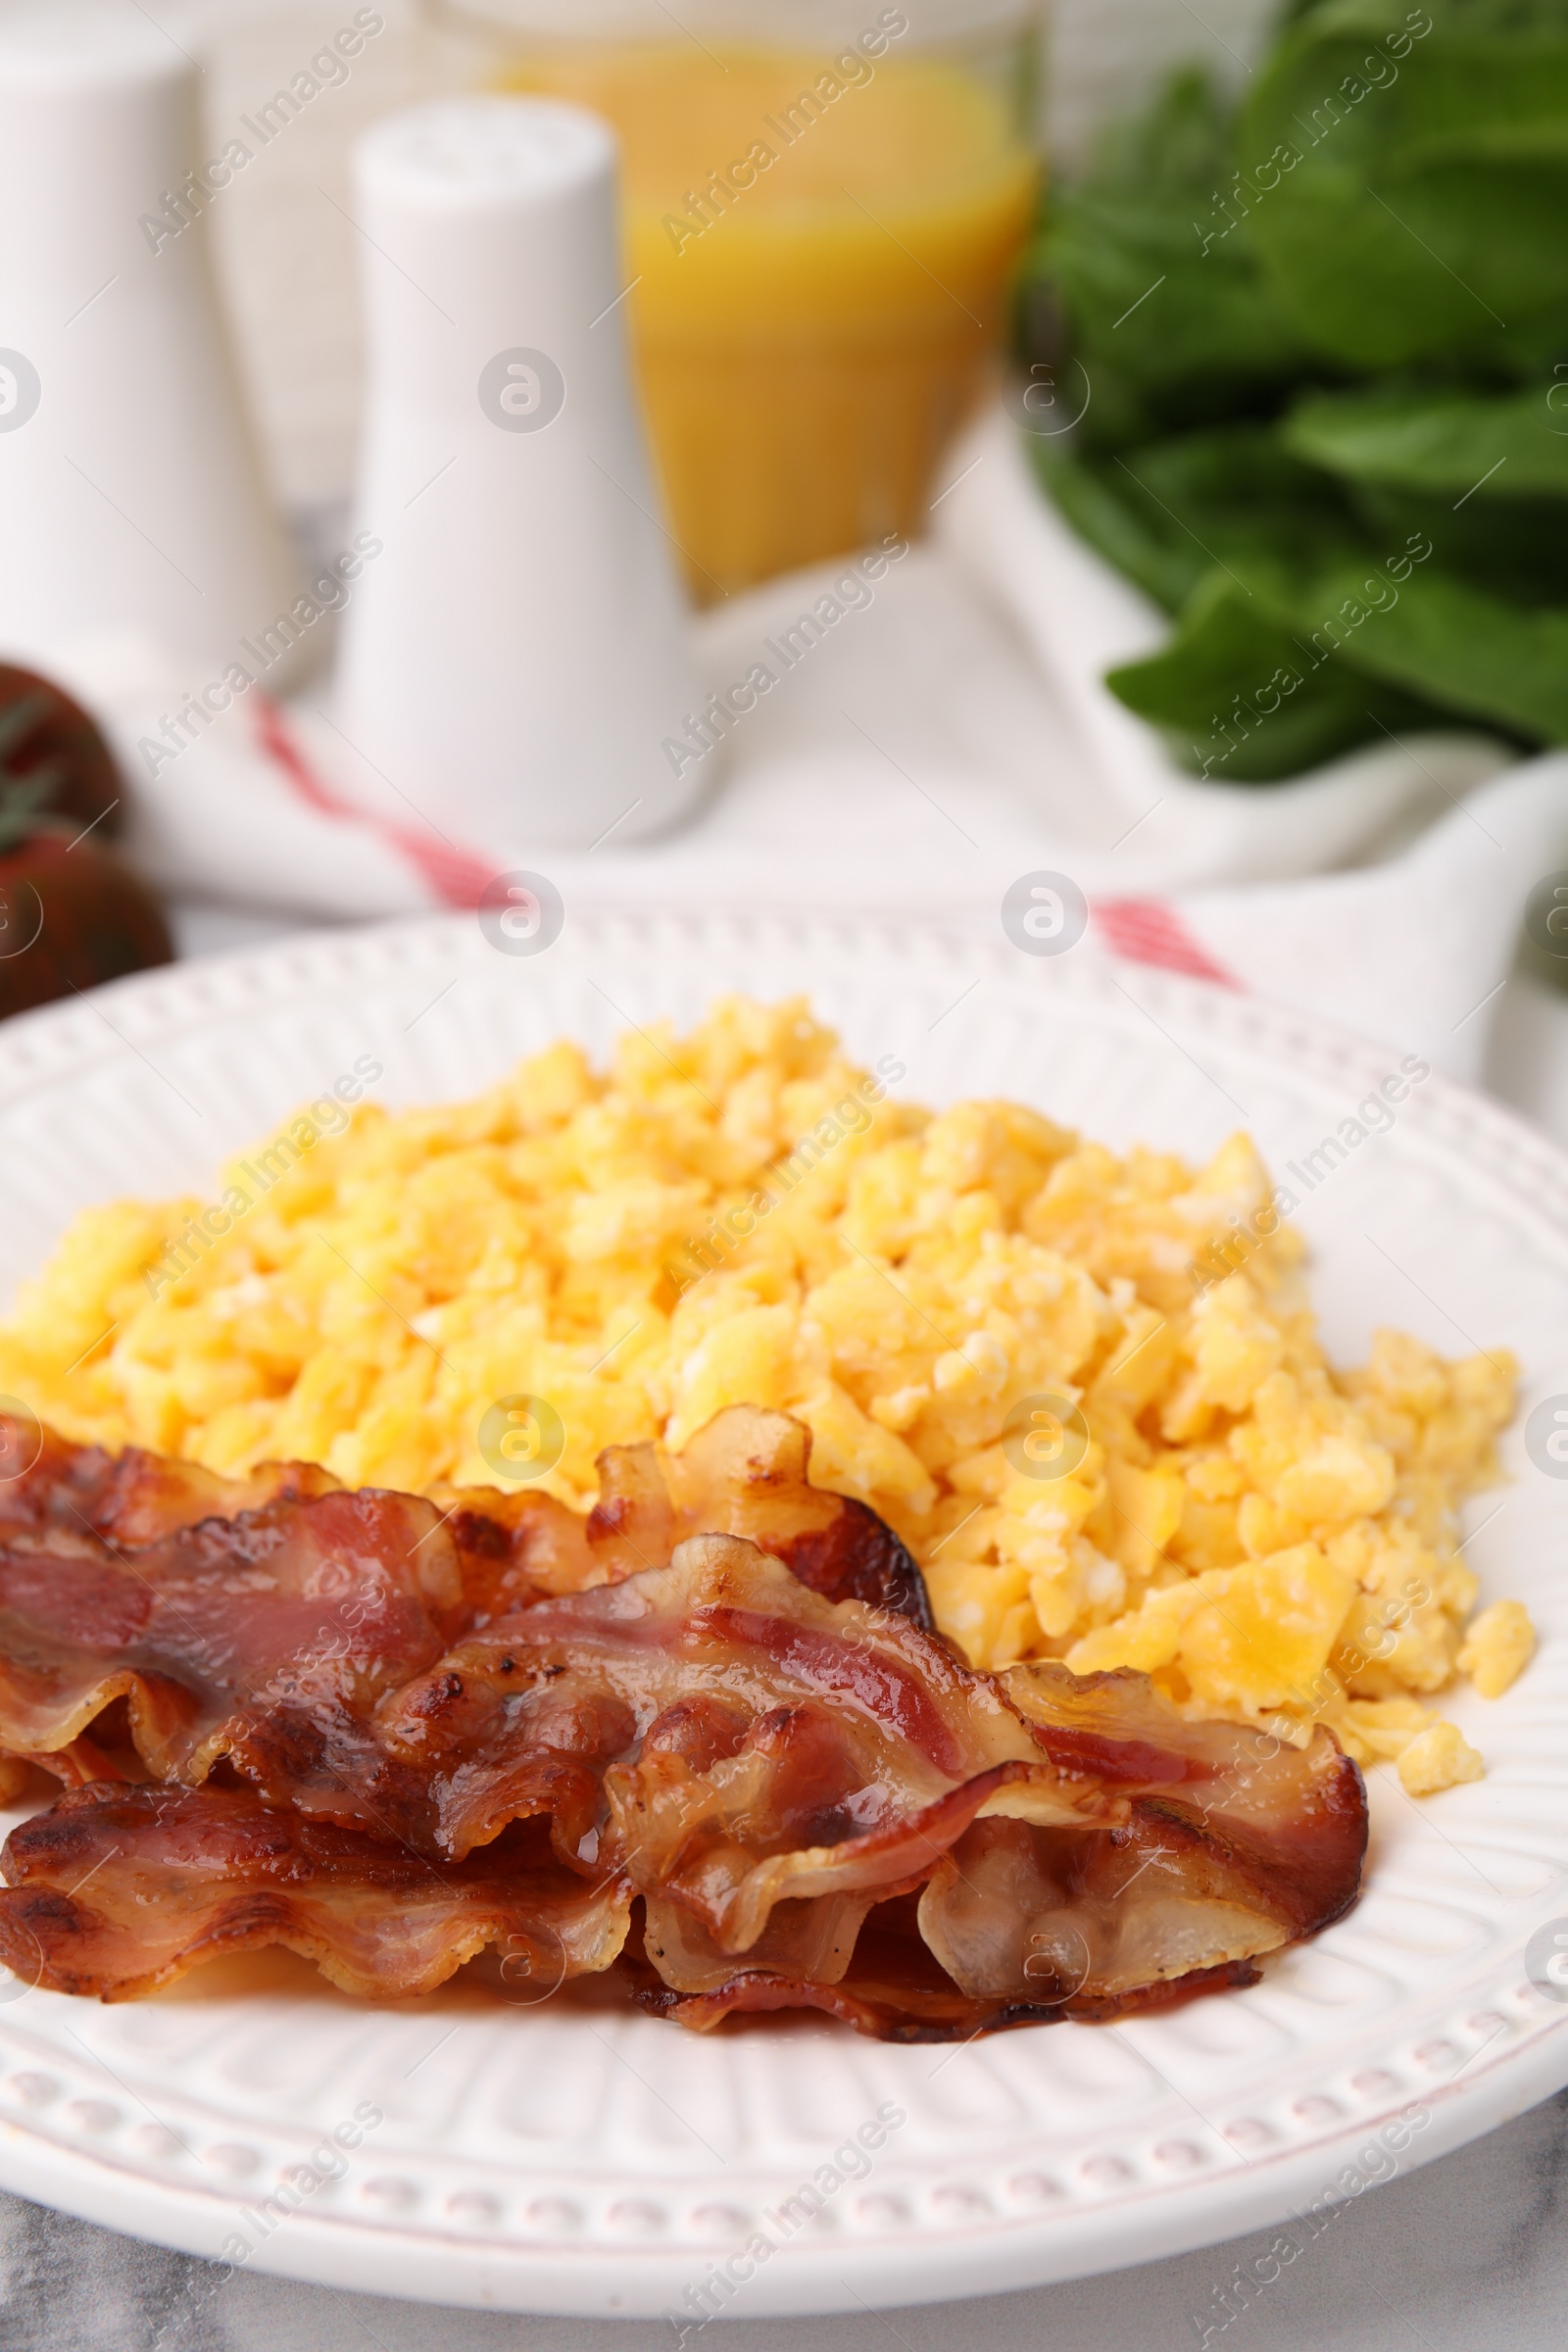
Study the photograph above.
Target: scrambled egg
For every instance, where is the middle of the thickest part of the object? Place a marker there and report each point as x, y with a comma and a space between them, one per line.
1000, 1336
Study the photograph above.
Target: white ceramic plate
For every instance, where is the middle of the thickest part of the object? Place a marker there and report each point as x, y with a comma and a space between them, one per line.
582, 2157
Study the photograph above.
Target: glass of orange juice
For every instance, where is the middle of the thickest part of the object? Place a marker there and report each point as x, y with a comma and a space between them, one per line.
824, 201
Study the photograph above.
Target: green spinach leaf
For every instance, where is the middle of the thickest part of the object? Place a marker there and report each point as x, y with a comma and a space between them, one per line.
1485, 476
1422, 216
1241, 698
1156, 283
1326, 338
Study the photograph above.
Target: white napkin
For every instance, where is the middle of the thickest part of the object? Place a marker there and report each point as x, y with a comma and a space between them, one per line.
947, 734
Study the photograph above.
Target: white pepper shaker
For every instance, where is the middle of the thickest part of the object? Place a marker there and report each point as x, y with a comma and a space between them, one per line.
130, 488
515, 659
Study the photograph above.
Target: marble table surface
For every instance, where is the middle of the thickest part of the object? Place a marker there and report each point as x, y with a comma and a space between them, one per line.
1466, 2255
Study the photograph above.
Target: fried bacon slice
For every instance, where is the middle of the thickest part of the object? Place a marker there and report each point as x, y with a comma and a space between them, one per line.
286, 1623
745, 1473
1199, 1848
130, 1498
820, 1806
263, 1619
895, 1989
180, 1876
738, 1739
454, 1719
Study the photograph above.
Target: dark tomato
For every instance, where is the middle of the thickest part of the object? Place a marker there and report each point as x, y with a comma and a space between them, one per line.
42, 731
72, 914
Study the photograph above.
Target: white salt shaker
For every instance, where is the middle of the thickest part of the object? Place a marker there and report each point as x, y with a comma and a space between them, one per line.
130, 490
516, 657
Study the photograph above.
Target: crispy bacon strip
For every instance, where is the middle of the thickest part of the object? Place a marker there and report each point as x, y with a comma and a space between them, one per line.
777, 1775
286, 1623
180, 1876
195, 1601
1297, 1813
263, 1619
895, 1989
832, 1756
1224, 1847
745, 1473
737, 1738
816, 1802
130, 1498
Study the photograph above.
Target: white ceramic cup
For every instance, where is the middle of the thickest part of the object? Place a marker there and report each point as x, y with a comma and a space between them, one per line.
130, 491
516, 656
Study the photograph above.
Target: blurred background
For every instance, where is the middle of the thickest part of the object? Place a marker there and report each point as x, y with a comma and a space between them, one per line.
801, 379
861, 246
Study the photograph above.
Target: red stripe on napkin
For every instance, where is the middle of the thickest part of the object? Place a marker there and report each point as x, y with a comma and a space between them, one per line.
1147, 931
459, 877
